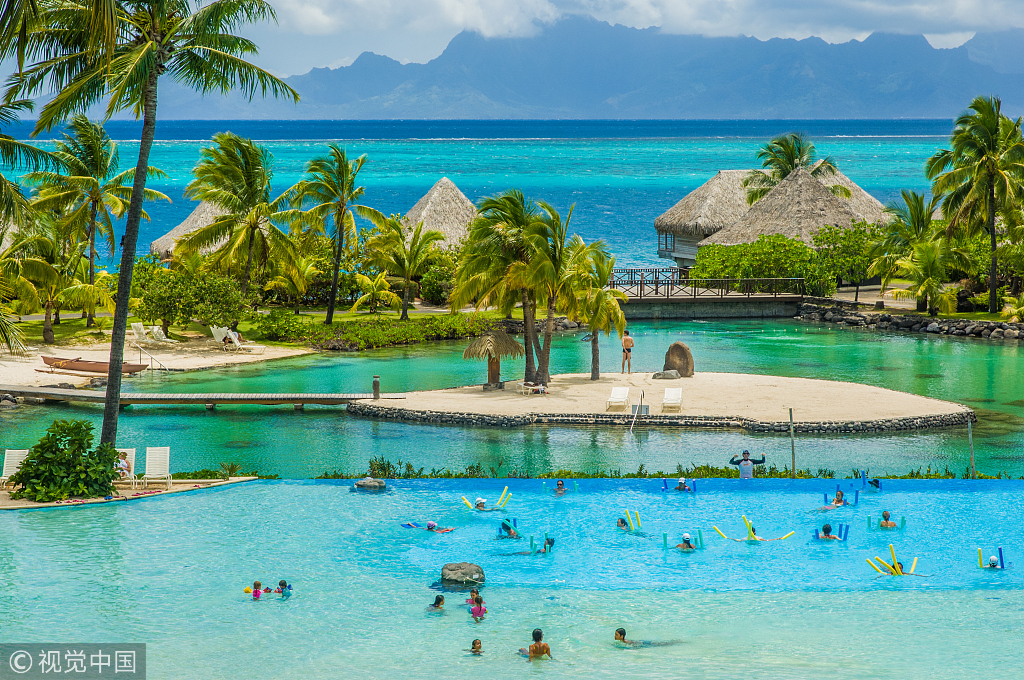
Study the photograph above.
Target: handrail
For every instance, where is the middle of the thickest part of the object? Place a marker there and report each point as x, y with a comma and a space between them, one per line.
674, 283
151, 357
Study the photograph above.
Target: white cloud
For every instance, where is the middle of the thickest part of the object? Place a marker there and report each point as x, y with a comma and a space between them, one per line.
945, 41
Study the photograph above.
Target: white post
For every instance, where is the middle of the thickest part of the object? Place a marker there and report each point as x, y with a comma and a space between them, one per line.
792, 441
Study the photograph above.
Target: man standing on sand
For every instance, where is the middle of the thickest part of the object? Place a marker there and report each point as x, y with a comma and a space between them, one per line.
627, 352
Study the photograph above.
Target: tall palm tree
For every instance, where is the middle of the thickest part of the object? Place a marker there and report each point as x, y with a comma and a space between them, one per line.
118, 50
912, 223
600, 305
293, 280
14, 154
235, 174
89, 188
780, 157
330, 186
981, 174
397, 253
497, 241
10, 334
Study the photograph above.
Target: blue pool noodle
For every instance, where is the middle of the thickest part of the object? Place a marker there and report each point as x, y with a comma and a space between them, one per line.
856, 497
1001, 565
816, 534
826, 498
694, 488
664, 484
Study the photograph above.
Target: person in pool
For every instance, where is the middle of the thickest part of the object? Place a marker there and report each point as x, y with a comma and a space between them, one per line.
686, 545
620, 636
539, 649
838, 500
477, 648
621, 524
257, 590
438, 604
473, 594
478, 610
480, 505
549, 545
284, 589
560, 488
993, 563
886, 523
746, 464
827, 535
432, 526
507, 530
682, 486
753, 536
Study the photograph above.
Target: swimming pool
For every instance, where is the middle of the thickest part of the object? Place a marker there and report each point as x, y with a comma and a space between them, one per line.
170, 572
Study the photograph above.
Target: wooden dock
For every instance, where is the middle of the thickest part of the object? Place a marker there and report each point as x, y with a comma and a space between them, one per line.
208, 399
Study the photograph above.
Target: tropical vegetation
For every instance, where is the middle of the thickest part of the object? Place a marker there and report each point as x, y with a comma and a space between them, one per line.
780, 158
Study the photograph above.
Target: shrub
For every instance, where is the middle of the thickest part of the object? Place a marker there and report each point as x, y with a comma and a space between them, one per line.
437, 283
768, 257
62, 465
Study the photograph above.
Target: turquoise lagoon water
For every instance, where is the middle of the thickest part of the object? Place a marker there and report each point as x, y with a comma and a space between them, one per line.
277, 440
170, 572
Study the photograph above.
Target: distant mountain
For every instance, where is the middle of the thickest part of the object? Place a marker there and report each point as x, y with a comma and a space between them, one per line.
580, 68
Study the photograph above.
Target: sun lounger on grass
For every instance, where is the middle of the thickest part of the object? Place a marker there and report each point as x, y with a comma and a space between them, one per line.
129, 455
673, 398
158, 464
13, 458
158, 335
140, 333
620, 397
247, 346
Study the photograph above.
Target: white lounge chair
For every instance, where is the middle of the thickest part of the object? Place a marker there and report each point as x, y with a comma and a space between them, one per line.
158, 335
140, 333
13, 459
673, 398
130, 457
620, 397
158, 464
219, 334
247, 346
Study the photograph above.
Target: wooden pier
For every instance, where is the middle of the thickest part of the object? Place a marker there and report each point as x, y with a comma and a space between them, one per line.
208, 399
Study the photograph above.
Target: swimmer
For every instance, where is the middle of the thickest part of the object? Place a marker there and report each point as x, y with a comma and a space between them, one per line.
549, 545
682, 486
480, 503
560, 488
478, 609
477, 648
539, 648
621, 524
438, 604
993, 562
887, 523
753, 534
620, 637
827, 535
507, 530
473, 594
838, 500
257, 590
686, 545
746, 464
432, 526
284, 589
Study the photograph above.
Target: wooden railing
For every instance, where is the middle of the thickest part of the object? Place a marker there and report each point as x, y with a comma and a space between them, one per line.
675, 283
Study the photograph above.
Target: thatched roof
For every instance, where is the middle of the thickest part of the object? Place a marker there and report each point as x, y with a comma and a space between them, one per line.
714, 205
445, 209
797, 207
866, 206
494, 343
204, 215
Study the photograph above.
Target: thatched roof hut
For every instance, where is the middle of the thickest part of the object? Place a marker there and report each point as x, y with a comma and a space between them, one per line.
204, 215
493, 346
714, 205
863, 204
445, 209
796, 208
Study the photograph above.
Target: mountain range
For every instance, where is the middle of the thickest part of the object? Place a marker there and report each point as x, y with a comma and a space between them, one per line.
581, 68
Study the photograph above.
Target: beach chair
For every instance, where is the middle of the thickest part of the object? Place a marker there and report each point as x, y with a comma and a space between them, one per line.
528, 388
158, 464
219, 334
130, 457
13, 459
673, 399
140, 333
247, 346
619, 397
158, 335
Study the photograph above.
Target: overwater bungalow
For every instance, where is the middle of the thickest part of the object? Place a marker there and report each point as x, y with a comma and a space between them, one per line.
445, 209
204, 214
714, 205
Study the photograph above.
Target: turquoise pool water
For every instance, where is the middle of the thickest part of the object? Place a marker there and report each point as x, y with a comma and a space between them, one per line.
170, 572
277, 440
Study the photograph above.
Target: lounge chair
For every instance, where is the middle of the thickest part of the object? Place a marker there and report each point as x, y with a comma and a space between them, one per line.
673, 398
219, 334
158, 464
13, 459
140, 333
130, 457
528, 388
158, 335
247, 346
619, 397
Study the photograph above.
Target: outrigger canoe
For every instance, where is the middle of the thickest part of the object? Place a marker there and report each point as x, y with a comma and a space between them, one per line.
79, 364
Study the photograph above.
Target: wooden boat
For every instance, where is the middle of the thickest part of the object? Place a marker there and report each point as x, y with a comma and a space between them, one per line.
80, 364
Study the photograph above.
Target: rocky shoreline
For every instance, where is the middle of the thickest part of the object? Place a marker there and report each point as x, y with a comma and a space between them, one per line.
847, 315
368, 410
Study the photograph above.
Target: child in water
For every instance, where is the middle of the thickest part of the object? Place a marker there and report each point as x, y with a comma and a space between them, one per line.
478, 609
477, 648
284, 589
257, 590
438, 605
474, 593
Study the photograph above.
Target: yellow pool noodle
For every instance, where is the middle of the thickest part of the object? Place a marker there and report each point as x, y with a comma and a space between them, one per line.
913, 566
873, 565
885, 564
787, 535
506, 500
637, 514
719, 532
895, 563
981, 564
750, 534
502, 496
629, 518
468, 504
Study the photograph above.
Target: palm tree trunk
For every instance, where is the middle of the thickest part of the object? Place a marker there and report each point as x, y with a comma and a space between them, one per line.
405, 301
528, 331
112, 404
543, 371
992, 282
595, 356
248, 265
47, 325
56, 315
91, 320
339, 226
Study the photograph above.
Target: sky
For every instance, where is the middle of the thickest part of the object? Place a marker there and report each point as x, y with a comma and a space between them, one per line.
332, 33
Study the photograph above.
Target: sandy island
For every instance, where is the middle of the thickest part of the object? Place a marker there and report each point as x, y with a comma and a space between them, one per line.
756, 397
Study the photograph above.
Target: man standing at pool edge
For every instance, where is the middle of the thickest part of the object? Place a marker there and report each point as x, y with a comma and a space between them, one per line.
627, 352
746, 464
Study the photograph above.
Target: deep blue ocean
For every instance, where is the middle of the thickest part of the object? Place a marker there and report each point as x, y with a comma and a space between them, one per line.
620, 175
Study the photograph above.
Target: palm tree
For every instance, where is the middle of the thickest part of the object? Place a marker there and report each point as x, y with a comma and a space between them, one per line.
293, 280
14, 206
496, 242
912, 223
398, 254
981, 174
782, 156
117, 50
235, 174
331, 187
89, 188
10, 335
925, 266
376, 292
600, 305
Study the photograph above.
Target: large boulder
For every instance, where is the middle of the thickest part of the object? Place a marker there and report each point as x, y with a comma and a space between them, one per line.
679, 358
462, 572
371, 484
666, 375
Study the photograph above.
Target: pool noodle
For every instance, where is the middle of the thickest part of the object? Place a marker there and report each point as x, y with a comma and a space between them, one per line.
1001, 566
629, 518
903, 523
575, 486
693, 489
468, 504
786, 536
873, 565
506, 500
637, 514
981, 563
700, 535
502, 496
750, 533
664, 484
885, 564
664, 540
895, 563
869, 522
816, 535
856, 497
913, 566
719, 532
826, 498
531, 544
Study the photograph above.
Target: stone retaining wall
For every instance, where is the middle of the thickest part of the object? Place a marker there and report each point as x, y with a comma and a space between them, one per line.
369, 410
911, 323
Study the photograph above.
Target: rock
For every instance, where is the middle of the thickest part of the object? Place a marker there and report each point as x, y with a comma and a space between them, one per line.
916, 327
879, 304
8, 397
1010, 333
679, 358
371, 484
814, 316
985, 333
828, 316
666, 375
4, 405
933, 327
462, 572
97, 382
571, 325
997, 333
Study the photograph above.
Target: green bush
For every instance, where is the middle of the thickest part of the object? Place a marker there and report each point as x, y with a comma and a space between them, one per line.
62, 465
371, 332
769, 257
281, 325
437, 283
